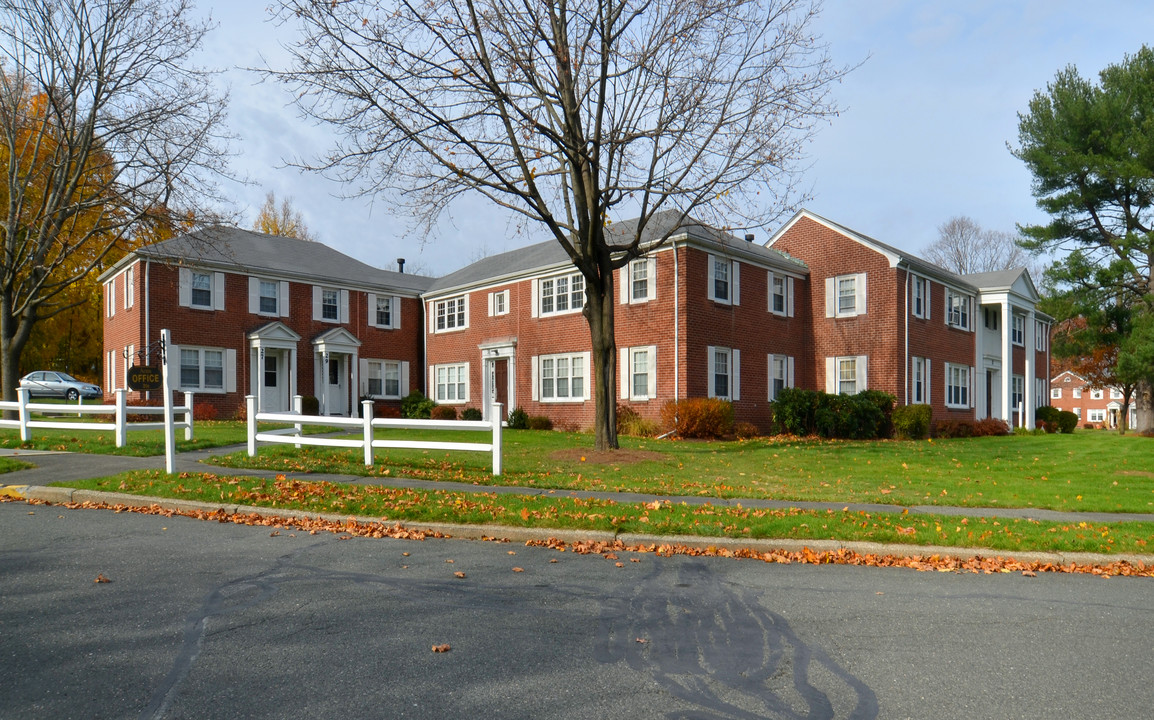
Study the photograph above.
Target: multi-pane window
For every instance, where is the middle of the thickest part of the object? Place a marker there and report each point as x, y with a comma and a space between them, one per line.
847, 376
500, 303
1056, 393
384, 311
452, 383
919, 381
921, 293
384, 378
330, 304
1018, 330
562, 377
1017, 392
639, 280
777, 295
450, 313
1115, 394
129, 289
847, 295
562, 294
1096, 415
957, 385
201, 369
201, 289
1078, 392
721, 372
639, 374
268, 297
958, 310
721, 279
1096, 394
778, 375
1041, 336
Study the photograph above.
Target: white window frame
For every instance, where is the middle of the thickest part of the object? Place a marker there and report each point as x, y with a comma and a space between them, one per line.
1098, 394
215, 289
920, 302
110, 296
732, 270
546, 368
1018, 330
373, 304
732, 360
647, 267
1041, 336
628, 371
958, 386
499, 303
1078, 412
834, 287
780, 368
1055, 393
785, 282
450, 314
381, 368
227, 369
129, 290
990, 317
210, 305
255, 295
1115, 394
920, 381
959, 310
454, 376
547, 294
1017, 392
1096, 415
1078, 393
1039, 392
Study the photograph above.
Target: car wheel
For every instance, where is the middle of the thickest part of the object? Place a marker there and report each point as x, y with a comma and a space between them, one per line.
73, 394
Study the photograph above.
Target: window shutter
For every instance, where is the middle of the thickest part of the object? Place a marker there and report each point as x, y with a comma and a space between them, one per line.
624, 372
111, 288
588, 372
316, 302
185, 287
465, 300
652, 370
862, 375
735, 283
533, 362
431, 388
946, 304
371, 302
344, 306
282, 301
230, 370
926, 397
533, 303
651, 273
218, 291
253, 295
491, 310
926, 295
626, 273
403, 384
789, 382
830, 296
709, 260
789, 297
831, 375
860, 286
769, 291
735, 371
769, 371
396, 314
430, 313
710, 366
364, 376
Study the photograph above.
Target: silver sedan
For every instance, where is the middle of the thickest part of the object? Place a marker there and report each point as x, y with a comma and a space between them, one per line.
47, 383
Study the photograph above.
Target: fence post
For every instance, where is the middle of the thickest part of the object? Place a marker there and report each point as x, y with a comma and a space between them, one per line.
22, 394
188, 418
166, 382
250, 416
367, 416
496, 416
121, 417
298, 406
79, 403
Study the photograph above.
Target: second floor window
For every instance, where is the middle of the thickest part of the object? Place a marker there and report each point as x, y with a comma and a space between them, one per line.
562, 294
330, 304
268, 297
957, 310
1018, 330
385, 311
202, 290
450, 313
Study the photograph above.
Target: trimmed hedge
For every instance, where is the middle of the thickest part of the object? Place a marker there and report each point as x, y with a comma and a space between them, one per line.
472, 413
912, 422
1067, 422
415, 406
867, 415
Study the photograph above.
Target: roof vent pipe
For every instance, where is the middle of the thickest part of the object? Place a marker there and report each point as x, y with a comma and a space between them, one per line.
749, 237
400, 265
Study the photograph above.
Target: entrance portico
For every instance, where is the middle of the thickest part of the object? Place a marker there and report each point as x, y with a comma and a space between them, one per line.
335, 371
273, 364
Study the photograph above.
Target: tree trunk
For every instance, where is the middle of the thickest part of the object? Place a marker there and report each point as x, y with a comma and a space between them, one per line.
599, 313
1144, 404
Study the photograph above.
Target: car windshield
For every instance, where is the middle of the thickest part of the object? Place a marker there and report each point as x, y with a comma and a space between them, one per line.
65, 377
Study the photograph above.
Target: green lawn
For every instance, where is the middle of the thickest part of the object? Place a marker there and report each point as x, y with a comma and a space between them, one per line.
143, 443
1086, 471
8, 465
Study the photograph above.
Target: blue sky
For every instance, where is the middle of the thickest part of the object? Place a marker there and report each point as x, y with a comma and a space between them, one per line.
922, 135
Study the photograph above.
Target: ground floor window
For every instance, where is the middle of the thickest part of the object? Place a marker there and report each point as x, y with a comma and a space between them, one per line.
1096, 416
383, 378
957, 386
724, 368
920, 377
780, 375
562, 377
201, 369
1017, 392
452, 383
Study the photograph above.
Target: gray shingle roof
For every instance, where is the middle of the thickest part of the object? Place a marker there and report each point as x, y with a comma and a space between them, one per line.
253, 252
549, 254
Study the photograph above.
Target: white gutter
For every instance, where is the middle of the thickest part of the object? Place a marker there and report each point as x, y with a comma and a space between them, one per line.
676, 329
906, 371
147, 342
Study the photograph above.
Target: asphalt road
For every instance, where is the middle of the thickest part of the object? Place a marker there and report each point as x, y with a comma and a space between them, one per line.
210, 620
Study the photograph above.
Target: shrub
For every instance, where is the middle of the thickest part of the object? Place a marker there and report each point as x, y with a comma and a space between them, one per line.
415, 406
988, 427
443, 412
745, 431
793, 411
699, 417
1089, 426
540, 422
853, 417
310, 405
203, 412
912, 422
1047, 417
952, 429
885, 405
472, 413
630, 422
518, 419
1067, 422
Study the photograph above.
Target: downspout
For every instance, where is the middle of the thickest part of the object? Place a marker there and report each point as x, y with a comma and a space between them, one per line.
676, 328
147, 337
906, 370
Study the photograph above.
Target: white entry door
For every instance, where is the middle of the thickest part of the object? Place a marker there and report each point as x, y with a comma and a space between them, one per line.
337, 392
273, 382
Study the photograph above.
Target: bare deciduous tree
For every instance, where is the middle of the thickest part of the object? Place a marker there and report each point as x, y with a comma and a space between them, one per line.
964, 247
106, 128
573, 114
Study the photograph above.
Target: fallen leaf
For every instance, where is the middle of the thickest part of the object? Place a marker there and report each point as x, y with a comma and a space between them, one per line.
620, 564
517, 569
512, 552
274, 533
459, 574
101, 579
405, 554
1029, 573
524, 513
442, 648
449, 561
553, 560
641, 640
655, 505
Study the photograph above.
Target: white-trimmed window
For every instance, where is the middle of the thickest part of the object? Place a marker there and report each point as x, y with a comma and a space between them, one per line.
724, 276
919, 381
1056, 393
561, 294
207, 369
1097, 394
498, 303
1078, 412
639, 373
920, 296
1041, 336
846, 375
129, 290
957, 386
780, 294
451, 314
1040, 387
780, 374
639, 281
990, 317
388, 379
384, 311
330, 304
452, 383
1077, 392
1115, 394
1018, 330
562, 378
268, 297
1096, 415
201, 289
845, 295
1017, 392
723, 366
110, 296
958, 309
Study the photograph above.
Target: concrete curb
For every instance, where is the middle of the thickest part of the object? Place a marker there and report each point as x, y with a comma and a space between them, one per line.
62, 495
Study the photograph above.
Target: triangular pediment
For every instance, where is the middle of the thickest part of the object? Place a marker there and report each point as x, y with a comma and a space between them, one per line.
336, 340
275, 331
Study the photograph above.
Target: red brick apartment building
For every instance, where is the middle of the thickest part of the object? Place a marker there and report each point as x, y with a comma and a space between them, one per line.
704, 314
1100, 407
263, 315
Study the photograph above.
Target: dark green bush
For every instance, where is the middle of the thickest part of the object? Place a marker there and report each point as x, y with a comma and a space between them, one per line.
310, 405
415, 406
518, 419
793, 411
850, 417
1047, 417
472, 413
885, 404
699, 417
1067, 422
540, 422
912, 422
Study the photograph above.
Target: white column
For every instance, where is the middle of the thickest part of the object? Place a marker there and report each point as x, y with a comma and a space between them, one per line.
1007, 363
1028, 390
980, 389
